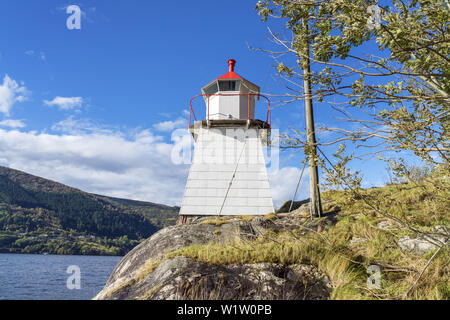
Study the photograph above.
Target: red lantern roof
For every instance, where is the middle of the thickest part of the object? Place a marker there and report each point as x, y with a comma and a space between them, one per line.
243, 87
230, 74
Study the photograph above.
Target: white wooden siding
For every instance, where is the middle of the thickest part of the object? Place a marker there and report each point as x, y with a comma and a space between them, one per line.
217, 156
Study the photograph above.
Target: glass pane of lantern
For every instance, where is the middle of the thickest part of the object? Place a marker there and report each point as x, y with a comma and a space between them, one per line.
229, 85
212, 89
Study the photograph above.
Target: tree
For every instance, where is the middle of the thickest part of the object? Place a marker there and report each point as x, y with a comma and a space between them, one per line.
396, 97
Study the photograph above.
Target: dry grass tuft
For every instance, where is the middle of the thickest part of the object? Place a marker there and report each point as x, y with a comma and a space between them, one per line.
423, 206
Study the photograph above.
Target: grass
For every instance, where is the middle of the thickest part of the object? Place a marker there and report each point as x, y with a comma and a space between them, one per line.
119, 286
149, 266
150, 292
270, 216
218, 221
422, 206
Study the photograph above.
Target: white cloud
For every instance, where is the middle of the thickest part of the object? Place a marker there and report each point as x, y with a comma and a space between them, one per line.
90, 14
104, 160
167, 126
165, 114
10, 93
65, 103
12, 123
136, 167
81, 126
41, 54
283, 183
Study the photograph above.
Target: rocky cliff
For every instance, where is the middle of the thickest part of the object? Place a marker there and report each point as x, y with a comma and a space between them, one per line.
153, 270
290, 256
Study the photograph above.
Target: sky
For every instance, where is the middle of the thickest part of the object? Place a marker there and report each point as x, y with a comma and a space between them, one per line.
96, 108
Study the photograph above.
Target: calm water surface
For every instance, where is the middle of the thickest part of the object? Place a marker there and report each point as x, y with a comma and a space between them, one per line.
44, 277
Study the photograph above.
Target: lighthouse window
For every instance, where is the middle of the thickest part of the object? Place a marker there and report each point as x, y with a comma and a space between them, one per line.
212, 89
229, 85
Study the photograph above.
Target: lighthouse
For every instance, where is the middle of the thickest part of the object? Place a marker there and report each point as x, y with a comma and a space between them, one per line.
228, 173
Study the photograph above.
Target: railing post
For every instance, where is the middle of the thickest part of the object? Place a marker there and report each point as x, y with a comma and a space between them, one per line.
190, 113
207, 109
248, 106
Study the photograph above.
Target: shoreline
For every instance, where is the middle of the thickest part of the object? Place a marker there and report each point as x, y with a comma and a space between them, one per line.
56, 254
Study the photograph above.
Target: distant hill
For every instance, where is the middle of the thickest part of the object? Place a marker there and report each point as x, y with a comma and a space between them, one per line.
39, 215
159, 214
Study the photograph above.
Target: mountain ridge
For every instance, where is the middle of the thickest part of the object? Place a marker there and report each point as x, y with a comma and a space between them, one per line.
31, 206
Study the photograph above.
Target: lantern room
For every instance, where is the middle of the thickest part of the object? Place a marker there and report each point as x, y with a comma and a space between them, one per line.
230, 97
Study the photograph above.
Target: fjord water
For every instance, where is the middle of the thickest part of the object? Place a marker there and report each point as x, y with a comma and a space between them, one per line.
44, 277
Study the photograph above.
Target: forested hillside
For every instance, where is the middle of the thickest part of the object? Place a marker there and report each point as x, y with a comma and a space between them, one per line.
39, 215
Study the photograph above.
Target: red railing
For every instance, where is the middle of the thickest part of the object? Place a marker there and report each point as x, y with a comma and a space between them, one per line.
268, 119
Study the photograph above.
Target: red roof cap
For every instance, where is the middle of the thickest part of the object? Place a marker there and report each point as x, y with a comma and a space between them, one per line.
230, 74
231, 64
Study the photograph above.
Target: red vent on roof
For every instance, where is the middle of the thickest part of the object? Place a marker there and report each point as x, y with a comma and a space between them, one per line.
230, 74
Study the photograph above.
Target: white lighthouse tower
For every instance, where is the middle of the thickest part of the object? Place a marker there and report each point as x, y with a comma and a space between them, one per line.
228, 174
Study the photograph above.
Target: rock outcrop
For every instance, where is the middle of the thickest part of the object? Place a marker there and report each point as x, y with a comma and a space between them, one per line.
424, 244
146, 272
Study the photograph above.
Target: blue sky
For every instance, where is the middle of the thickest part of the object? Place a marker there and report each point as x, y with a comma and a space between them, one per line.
95, 108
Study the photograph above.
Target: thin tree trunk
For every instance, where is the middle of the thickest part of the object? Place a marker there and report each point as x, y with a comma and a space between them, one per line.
316, 205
